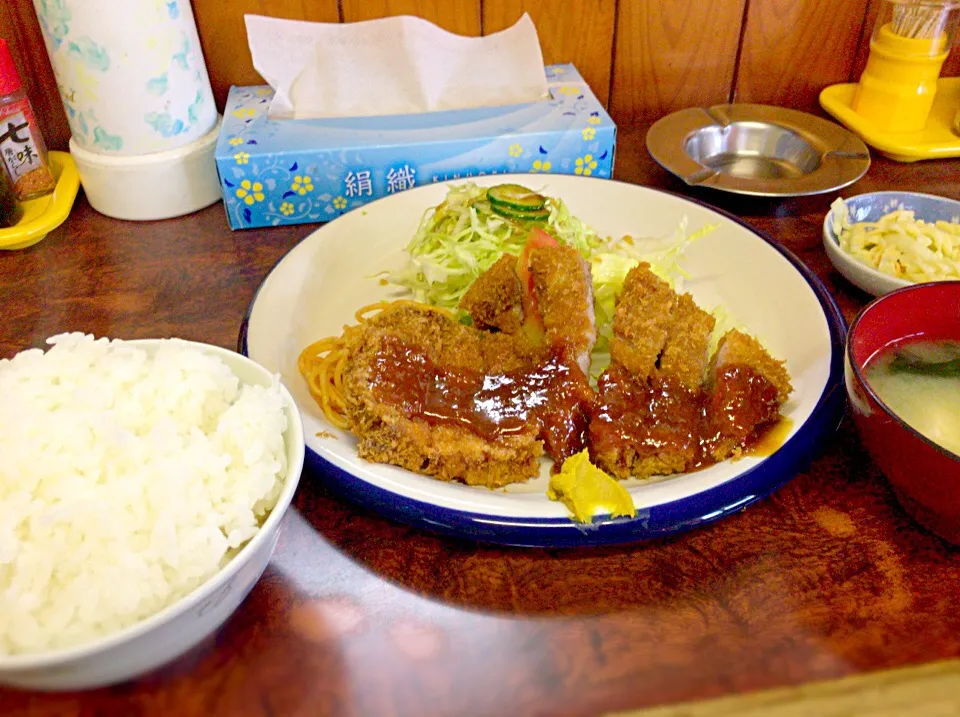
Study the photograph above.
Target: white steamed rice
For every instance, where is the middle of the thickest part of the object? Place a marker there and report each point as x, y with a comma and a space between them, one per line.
126, 481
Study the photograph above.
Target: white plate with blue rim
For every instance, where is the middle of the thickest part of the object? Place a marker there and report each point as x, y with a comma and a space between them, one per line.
316, 288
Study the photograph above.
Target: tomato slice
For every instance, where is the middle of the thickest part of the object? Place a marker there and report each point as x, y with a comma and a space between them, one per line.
535, 240
539, 238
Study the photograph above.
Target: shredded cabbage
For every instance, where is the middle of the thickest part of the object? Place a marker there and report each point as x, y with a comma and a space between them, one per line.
899, 245
462, 237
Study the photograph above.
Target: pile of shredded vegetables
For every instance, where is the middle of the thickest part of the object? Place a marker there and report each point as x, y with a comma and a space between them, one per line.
462, 237
900, 245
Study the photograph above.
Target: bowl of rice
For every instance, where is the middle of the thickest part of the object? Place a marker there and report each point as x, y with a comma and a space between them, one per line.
141, 492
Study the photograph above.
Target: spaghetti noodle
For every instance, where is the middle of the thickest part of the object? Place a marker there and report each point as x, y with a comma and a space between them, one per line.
323, 363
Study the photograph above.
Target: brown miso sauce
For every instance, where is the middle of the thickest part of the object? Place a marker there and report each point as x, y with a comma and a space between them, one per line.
768, 438
650, 416
661, 417
547, 397
552, 399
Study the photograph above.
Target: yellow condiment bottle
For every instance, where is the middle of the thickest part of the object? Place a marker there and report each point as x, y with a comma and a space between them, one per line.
897, 87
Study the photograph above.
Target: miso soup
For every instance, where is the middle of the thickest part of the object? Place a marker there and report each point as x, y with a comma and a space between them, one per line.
920, 382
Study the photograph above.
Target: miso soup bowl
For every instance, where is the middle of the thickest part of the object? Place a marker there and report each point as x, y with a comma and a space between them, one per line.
925, 477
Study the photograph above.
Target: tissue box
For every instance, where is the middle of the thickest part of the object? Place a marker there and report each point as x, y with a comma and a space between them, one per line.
276, 172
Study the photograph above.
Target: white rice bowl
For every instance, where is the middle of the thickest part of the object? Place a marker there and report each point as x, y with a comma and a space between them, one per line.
132, 474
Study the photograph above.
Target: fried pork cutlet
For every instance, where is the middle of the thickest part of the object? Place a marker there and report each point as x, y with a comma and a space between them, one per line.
495, 299
654, 414
646, 418
686, 350
503, 352
643, 427
746, 387
641, 321
429, 394
563, 291
658, 333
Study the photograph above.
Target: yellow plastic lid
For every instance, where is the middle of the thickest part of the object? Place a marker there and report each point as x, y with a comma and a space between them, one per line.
44, 214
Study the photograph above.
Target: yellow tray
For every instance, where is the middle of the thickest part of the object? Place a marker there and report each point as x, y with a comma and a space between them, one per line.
935, 141
41, 216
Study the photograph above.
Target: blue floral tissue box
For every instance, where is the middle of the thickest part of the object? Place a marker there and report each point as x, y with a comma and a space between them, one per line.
276, 172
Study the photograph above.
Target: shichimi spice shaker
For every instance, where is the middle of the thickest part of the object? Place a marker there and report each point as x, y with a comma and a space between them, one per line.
21, 145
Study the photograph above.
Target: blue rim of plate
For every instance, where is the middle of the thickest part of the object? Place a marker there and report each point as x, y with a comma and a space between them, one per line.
657, 521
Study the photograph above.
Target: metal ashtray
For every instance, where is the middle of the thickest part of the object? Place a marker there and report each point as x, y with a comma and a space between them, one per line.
759, 150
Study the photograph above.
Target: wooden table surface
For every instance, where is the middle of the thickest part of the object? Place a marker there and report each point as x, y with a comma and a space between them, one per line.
357, 615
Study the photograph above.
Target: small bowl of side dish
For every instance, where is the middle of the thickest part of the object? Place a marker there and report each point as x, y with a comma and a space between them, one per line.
902, 371
194, 454
893, 239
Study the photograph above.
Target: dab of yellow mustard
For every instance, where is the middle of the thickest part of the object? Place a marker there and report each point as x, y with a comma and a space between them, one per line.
587, 491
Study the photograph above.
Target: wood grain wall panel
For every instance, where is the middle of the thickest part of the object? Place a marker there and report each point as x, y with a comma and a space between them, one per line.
581, 33
951, 68
863, 43
792, 49
20, 28
670, 55
644, 58
459, 16
223, 35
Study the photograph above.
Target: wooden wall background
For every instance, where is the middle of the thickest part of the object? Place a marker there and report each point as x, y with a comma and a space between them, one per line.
643, 58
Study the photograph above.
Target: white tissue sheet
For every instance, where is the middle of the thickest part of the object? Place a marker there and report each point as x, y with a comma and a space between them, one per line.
396, 65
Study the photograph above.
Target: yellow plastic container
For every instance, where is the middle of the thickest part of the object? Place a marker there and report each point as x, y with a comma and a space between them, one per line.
899, 83
937, 139
41, 216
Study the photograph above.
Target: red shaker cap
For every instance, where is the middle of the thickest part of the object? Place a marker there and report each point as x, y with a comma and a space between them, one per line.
9, 77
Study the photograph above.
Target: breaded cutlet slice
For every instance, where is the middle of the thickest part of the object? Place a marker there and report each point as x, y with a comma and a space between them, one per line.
563, 289
736, 347
643, 427
642, 321
495, 299
450, 343
746, 387
686, 351
502, 352
447, 452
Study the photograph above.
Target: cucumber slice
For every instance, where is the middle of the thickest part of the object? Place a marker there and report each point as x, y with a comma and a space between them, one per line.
516, 197
536, 215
